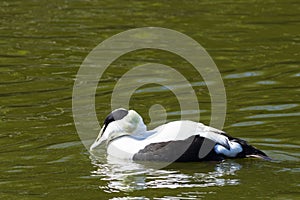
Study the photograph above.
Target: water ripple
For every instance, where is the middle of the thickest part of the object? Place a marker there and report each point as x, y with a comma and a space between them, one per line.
274, 115
243, 75
120, 175
249, 123
270, 107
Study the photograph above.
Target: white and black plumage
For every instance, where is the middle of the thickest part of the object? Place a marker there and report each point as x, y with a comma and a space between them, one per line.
127, 137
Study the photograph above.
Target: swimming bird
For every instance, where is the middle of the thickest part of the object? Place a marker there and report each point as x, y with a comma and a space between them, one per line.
127, 137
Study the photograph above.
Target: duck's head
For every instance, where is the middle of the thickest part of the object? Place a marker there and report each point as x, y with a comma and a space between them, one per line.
120, 121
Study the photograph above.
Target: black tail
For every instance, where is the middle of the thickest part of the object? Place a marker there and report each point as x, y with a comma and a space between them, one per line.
249, 150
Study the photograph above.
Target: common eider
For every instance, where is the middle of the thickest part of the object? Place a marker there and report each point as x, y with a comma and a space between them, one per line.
127, 137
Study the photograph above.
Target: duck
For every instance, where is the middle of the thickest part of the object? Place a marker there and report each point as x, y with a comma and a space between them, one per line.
125, 136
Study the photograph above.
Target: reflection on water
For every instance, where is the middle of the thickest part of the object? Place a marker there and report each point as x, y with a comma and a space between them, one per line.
124, 175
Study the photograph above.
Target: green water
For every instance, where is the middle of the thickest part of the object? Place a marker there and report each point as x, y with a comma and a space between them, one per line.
254, 44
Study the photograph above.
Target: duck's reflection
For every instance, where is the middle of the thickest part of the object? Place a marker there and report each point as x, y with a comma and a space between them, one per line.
124, 175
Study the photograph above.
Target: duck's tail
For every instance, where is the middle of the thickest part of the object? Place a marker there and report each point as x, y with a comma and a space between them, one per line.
250, 151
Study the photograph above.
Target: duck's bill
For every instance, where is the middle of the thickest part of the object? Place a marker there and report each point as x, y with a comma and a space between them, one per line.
98, 141
95, 144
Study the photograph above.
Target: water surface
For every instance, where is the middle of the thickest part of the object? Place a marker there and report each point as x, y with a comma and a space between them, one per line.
254, 44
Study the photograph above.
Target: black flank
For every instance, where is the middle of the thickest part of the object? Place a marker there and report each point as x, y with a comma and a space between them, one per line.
176, 151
